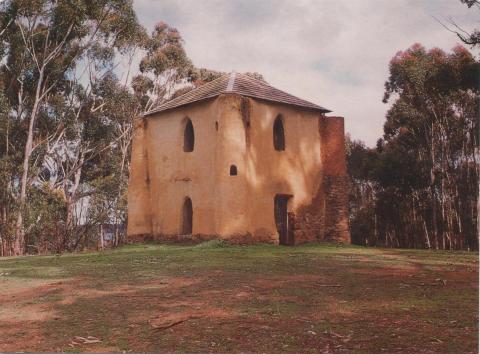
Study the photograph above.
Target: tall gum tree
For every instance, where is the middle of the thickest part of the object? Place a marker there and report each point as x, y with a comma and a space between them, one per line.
43, 43
419, 187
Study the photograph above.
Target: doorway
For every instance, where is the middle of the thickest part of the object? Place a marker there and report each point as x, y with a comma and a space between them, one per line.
187, 222
284, 220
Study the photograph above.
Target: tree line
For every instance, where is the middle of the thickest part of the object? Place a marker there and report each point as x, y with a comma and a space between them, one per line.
418, 188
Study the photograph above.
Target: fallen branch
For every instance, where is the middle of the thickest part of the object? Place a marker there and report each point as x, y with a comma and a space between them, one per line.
424, 284
169, 325
147, 296
329, 285
77, 340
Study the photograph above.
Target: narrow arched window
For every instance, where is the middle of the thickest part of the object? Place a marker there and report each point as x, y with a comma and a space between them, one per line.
187, 219
278, 135
188, 137
233, 170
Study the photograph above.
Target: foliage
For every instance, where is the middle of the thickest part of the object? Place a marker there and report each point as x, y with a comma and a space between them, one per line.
46, 48
418, 187
164, 66
213, 244
45, 217
472, 39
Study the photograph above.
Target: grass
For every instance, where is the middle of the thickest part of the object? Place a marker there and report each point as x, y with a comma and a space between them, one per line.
214, 297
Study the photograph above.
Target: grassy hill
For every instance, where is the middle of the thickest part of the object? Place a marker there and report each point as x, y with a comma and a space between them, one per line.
209, 297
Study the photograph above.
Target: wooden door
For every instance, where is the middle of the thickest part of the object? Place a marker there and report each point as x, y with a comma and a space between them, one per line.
187, 220
281, 218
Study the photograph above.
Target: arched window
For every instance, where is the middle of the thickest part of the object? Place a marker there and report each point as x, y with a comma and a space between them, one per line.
278, 135
188, 137
233, 170
187, 220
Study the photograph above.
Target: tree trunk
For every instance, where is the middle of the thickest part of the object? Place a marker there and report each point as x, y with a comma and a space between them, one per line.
19, 244
102, 242
71, 199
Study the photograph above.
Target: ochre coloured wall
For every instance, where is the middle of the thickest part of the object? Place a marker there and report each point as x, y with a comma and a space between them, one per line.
231, 191
235, 130
335, 180
176, 174
139, 211
296, 171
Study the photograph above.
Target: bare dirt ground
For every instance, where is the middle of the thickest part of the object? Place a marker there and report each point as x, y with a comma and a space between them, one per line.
210, 298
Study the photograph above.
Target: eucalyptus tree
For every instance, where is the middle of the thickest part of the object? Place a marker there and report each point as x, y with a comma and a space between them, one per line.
425, 169
472, 38
165, 64
44, 42
435, 117
165, 69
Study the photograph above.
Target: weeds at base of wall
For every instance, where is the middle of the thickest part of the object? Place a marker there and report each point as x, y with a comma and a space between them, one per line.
213, 244
237, 239
170, 239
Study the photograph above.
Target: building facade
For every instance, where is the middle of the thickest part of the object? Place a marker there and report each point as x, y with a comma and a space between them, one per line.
237, 159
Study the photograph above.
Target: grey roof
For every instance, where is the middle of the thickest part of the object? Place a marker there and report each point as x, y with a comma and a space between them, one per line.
239, 84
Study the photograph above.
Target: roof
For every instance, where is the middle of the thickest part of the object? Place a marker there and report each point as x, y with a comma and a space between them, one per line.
238, 84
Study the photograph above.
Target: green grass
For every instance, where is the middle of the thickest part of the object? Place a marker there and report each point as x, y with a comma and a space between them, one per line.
262, 298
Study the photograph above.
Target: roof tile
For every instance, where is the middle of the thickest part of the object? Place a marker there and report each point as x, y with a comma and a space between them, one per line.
240, 84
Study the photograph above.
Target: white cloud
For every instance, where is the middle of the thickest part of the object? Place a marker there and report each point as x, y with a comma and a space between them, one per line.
334, 53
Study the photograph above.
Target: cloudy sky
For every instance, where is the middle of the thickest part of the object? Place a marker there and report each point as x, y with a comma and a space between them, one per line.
332, 52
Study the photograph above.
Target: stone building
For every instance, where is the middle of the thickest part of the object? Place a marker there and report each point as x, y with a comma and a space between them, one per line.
240, 160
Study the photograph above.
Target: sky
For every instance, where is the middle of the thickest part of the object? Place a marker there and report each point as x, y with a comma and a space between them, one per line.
331, 52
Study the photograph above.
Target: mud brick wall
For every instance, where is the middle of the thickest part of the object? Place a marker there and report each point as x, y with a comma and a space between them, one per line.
335, 180
326, 218
336, 211
310, 221
139, 211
